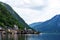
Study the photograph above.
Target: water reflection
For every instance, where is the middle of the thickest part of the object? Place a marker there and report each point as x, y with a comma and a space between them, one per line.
12, 37
43, 36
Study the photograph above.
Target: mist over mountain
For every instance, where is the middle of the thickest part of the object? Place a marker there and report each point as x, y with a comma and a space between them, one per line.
49, 26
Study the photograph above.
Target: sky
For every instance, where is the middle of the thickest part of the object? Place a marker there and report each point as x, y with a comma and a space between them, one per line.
35, 10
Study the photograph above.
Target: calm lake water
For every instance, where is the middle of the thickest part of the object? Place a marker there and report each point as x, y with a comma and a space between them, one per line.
42, 36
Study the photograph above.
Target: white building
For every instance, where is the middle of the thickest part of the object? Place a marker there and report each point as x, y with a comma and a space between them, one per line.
15, 27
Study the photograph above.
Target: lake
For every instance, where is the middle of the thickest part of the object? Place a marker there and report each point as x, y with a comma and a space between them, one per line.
41, 36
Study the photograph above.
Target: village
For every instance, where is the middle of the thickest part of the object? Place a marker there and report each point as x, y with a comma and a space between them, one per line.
15, 30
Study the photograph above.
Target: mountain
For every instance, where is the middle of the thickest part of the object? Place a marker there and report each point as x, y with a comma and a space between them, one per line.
8, 17
49, 26
35, 24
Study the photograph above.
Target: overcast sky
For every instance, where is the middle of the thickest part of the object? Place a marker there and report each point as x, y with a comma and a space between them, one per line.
35, 10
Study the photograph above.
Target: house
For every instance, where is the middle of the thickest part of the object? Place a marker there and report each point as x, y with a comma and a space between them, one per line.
15, 27
2, 30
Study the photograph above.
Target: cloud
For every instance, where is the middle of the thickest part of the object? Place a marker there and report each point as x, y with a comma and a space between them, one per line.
38, 7
29, 15
29, 3
33, 4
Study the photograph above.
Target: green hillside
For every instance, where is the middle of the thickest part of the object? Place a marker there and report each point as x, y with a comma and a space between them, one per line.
8, 17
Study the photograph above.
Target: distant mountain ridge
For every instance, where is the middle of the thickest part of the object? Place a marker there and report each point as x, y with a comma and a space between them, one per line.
50, 26
35, 24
